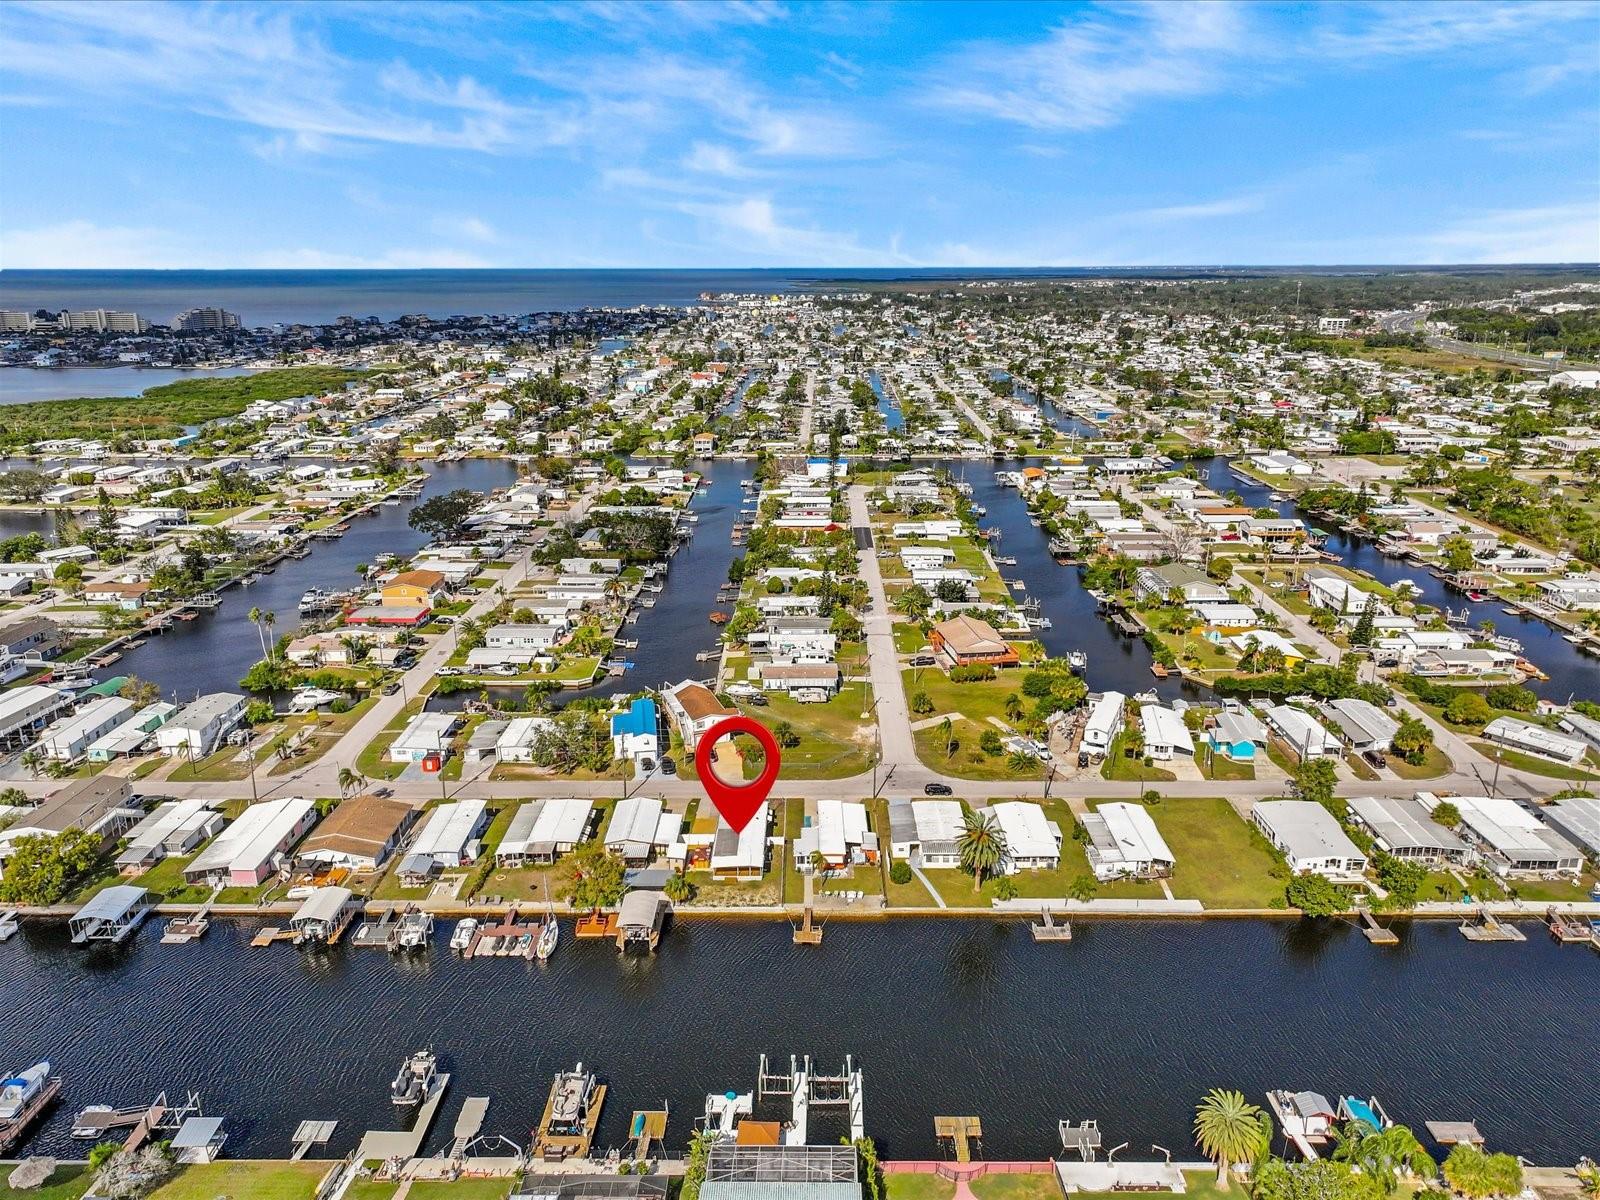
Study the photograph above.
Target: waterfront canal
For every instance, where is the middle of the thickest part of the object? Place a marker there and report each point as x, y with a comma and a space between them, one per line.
1129, 1024
212, 652
1571, 672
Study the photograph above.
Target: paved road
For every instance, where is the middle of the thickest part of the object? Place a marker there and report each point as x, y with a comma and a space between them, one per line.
898, 744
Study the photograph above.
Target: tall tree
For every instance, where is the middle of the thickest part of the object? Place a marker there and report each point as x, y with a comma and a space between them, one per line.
981, 845
1229, 1129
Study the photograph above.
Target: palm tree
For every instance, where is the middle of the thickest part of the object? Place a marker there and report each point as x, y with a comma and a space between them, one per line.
269, 619
347, 780
33, 760
1228, 1129
1384, 1155
982, 845
255, 619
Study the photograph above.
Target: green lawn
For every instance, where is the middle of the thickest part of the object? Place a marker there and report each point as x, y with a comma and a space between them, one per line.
1434, 763
1199, 1185
903, 1186
257, 1180
1532, 765
461, 1189
968, 760
1221, 860
373, 761
67, 1183
835, 742
1131, 770
1221, 767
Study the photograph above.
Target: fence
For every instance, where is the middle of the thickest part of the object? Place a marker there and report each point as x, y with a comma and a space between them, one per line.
964, 1172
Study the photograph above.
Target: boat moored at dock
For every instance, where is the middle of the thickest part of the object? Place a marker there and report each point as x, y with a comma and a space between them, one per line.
416, 1079
571, 1115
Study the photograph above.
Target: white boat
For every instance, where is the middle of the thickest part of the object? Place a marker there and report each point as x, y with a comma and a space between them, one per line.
549, 934
415, 930
462, 937
1077, 660
18, 1092
415, 1080
8, 924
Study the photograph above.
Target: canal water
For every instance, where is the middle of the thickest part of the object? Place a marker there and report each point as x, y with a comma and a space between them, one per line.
1572, 674
212, 652
1129, 1024
893, 419
24, 385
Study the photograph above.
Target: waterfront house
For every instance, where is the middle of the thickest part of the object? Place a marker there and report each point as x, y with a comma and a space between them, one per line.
635, 733
447, 840
641, 828
426, 734
1309, 838
255, 846
1528, 738
174, 827
1365, 726
1577, 818
1302, 732
737, 1170
413, 589
967, 641
1406, 829
1104, 722
925, 833
1165, 734
1169, 579
1265, 639
1032, 842
1227, 617
129, 597
101, 805
24, 711
802, 681
34, 637
1335, 593
197, 729
839, 833
543, 830
1124, 843
69, 739
694, 708
359, 834
741, 854
518, 741
1513, 840
1581, 594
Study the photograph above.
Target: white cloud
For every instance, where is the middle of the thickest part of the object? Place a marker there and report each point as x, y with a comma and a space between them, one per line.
1092, 70
1367, 31
1227, 206
753, 224
473, 229
1552, 233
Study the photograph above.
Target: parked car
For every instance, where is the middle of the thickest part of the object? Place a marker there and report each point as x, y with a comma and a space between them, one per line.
1083, 758
1376, 758
668, 767
390, 689
937, 789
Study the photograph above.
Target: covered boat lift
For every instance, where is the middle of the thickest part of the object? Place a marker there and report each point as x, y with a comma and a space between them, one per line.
110, 916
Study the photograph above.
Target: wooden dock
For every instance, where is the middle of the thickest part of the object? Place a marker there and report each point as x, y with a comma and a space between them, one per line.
384, 1145
13, 1130
311, 1133
962, 1133
1566, 928
468, 1123
1451, 1133
1489, 928
561, 1146
648, 1126
1048, 929
596, 925
270, 934
1378, 935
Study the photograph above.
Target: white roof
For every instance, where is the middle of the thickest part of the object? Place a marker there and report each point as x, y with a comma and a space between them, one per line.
840, 825
937, 820
751, 850
1026, 831
254, 838
1163, 727
561, 821
1125, 834
1306, 830
521, 732
1106, 713
323, 904
167, 819
449, 828
636, 819
1509, 828
1304, 733
427, 731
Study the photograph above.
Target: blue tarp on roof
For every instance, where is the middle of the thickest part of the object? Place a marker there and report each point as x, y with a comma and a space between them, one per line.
640, 719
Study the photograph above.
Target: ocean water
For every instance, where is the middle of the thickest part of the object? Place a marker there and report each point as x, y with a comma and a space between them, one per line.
270, 297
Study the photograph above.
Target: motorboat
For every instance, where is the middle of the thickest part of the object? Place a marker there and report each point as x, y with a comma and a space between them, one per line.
415, 1080
416, 928
18, 1092
462, 937
1077, 661
8, 924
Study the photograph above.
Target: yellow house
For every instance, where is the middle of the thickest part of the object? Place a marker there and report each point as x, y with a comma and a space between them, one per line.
411, 589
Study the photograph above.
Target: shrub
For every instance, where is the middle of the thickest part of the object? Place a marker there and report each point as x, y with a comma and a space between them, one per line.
900, 872
1468, 708
971, 673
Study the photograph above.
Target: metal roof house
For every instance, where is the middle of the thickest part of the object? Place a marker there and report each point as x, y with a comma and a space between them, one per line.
111, 915
1124, 843
924, 832
1365, 726
198, 727
1309, 838
1534, 739
1405, 829
1104, 722
1032, 842
741, 854
1165, 734
253, 847
1303, 732
173, 827
636, 733
448, 839
1578, 819
1237, 735
1513, 839
640, 828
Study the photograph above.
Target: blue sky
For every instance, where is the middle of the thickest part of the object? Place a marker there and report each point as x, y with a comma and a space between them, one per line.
778, 133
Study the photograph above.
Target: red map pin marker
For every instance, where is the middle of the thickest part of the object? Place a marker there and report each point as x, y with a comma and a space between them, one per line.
737, 802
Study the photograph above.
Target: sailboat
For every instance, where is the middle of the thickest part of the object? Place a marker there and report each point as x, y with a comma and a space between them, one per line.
549, 931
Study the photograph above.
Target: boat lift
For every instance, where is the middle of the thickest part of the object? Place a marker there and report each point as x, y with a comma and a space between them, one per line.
805, 1088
